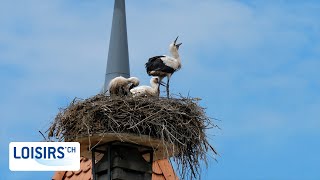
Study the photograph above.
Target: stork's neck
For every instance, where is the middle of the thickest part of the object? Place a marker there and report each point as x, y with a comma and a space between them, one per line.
154, 85
155, 88
175, 54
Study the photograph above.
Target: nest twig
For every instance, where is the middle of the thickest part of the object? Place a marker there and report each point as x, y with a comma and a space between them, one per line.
180, 121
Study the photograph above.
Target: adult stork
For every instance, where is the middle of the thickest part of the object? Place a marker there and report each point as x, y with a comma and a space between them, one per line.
122, 86
149, 91
165, 66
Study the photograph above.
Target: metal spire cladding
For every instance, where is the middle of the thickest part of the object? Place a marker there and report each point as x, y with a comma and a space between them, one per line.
118, 57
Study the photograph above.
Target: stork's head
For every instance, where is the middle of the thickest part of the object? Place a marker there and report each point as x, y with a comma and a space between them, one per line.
175, 46
154, 80
135, 81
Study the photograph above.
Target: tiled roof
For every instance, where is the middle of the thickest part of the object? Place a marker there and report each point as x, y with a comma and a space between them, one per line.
84, 173
161, 170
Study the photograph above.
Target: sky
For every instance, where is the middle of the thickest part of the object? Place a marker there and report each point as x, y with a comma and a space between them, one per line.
254, 64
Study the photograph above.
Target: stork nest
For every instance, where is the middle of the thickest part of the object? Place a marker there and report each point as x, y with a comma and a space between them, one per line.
180, 121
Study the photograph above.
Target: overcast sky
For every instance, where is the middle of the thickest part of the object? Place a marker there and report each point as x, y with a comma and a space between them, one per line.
255, 64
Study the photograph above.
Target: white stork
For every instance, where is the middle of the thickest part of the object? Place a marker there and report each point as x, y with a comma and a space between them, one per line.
165, 66
148, 91
122, 86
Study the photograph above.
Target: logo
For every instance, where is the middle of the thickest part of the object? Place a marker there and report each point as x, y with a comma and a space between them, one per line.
44, 156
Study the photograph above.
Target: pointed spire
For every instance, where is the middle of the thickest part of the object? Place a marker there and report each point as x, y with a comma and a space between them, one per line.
118, 57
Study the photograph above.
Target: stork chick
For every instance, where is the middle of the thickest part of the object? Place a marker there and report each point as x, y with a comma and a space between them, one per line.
165, 66
121, 86
148, 91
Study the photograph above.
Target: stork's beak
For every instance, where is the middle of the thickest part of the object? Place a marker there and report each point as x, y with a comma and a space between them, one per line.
175, 41
178, 45
131, 86
163, 84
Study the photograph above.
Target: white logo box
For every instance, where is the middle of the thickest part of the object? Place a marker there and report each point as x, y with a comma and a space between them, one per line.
44, 156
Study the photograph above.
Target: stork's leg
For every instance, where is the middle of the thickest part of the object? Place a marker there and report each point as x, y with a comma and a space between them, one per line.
160, 83
168, 79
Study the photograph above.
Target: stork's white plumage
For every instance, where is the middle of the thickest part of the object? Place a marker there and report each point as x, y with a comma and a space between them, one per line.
121, 86
149, 91
165, 66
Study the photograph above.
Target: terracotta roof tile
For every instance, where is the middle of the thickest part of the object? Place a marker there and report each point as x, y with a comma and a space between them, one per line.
161, 170
156, 169
157, 177
167, 169
58, 175
87, 176
87, 166
78, 172
69, 174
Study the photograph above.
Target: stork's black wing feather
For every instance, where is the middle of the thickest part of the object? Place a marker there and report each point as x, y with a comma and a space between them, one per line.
156, 64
